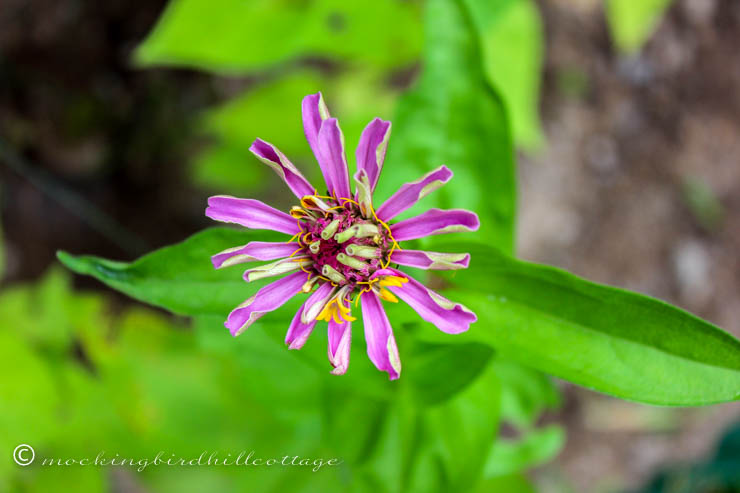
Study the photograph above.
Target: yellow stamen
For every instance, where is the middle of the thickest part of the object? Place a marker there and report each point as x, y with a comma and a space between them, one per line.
387, 295
395, 281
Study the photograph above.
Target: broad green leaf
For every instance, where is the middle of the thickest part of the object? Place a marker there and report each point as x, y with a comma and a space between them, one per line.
180, 277
233, 36
614, 341
511, 40
437, 372
534, 448
631, 23
454, 117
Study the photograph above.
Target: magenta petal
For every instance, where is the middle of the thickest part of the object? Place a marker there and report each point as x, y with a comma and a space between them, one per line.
370, 151
267, 299
381, 345
448, 316
250, 213
340, 340
314, 112
254, 250
431, 260
271, 156
410, 193
316, 302
333, 161
435, 222
298, 332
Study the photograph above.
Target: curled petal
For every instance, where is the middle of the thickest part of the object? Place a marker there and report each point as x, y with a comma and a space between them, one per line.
314, 112
411, 193
340, 340
431, 260
381, 345
252, 251
448, 316
271, 156
298, 332
363, 194
435, 222
370, 151
267, 299
316, 302
250, 213
332, 159
282, 266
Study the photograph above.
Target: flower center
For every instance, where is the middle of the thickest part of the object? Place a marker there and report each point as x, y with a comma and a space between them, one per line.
346, 243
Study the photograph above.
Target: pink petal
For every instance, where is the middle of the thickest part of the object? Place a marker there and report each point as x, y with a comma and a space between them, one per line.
271, 156
340, 340
267, 299
333, 161
255, 250
431, 260
314, 112
298, 332
370, 151
410, 193
381, 345
316, 302
435, 222
448, 316
250, 213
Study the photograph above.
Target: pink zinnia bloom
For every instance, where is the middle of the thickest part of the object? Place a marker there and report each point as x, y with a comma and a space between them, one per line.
342, 248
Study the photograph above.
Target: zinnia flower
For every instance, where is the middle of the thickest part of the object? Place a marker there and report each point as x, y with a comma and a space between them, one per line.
343, 249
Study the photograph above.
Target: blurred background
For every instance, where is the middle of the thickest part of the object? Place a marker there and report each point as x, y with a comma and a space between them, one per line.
626, 126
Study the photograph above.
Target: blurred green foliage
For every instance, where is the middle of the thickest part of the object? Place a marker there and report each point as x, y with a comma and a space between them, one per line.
631, 23
702, 202
82, 378
512, 44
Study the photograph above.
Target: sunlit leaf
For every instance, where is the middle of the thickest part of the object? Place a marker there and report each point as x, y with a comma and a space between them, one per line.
512, 45
231, 36
453, 117
631, 23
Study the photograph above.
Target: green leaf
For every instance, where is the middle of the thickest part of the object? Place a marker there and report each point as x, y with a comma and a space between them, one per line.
535, 447
511, 39
437, 372
631, 23
614, 341
454, 117
180, 277
233, 36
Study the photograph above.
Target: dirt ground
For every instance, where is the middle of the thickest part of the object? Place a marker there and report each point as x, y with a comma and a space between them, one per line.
638, 185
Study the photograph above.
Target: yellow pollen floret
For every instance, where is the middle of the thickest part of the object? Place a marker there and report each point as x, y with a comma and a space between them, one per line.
336, 310
387, 295
395, 281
